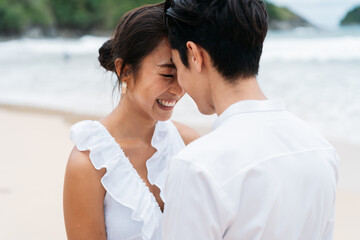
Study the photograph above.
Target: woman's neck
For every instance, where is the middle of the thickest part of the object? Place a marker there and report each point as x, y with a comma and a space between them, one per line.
127, 122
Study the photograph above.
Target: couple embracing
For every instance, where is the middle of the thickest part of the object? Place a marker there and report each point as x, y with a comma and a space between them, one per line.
260, 174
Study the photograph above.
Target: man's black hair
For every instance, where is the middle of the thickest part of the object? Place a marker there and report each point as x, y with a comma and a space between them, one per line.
231, 31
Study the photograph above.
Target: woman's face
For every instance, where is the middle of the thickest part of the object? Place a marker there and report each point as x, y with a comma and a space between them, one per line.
155, 91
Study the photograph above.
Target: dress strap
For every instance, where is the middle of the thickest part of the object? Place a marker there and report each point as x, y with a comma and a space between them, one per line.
121, 180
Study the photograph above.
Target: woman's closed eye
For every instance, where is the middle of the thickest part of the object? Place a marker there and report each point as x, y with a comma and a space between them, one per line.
167, 76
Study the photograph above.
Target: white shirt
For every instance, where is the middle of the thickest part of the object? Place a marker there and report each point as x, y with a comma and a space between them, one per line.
261, 174
130, 209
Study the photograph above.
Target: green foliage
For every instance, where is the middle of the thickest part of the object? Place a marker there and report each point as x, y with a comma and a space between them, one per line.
16, 16
279, 13
92, 14
352, 17
38, 13
81, 15
115, 9
12, 19
78, 14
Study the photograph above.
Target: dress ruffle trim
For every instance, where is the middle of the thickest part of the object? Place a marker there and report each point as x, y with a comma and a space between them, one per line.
157, 164
121, 180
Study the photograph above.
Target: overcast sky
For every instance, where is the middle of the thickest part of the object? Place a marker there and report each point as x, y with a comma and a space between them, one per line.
324, 13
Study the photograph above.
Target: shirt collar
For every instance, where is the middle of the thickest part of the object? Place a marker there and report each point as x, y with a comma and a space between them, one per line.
249, 106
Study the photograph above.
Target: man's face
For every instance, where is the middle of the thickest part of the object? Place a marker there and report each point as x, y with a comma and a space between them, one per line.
194, 83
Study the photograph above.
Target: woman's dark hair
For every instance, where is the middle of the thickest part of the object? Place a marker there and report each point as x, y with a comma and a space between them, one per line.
231, 31
137, 34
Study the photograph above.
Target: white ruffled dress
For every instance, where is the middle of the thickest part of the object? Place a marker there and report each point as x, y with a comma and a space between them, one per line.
131, 211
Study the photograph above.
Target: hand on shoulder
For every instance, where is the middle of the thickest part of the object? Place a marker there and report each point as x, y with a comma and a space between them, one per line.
187, 134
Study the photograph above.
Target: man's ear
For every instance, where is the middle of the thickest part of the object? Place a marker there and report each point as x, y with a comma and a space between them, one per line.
195, 55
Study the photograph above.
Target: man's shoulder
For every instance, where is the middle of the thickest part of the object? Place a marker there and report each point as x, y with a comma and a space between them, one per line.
200, 148
239, 144
213, 155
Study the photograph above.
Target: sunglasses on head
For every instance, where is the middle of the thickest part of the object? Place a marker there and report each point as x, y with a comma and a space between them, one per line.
169, 12
167, 5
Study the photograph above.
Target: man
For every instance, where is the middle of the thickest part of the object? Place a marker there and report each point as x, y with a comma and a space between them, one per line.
261, 173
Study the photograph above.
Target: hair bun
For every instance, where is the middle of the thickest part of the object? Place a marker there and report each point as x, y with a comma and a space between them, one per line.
106, 58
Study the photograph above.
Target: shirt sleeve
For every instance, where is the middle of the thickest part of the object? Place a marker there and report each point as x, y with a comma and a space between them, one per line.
194, 206
329, 229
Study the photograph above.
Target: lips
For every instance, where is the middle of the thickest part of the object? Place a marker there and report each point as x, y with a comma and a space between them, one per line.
166, 104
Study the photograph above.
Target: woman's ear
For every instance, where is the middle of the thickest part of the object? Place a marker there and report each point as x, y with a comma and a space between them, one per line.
195, 55
126, 71
118, 65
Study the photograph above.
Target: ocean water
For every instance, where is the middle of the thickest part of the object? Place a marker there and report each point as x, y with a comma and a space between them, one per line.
316, 73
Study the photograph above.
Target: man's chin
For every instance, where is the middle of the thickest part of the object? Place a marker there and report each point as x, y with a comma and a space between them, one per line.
205, 110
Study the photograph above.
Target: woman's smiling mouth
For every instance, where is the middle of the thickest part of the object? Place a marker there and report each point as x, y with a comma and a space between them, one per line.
166, 105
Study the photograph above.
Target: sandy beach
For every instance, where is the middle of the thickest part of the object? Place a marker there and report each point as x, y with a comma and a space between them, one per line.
35, 145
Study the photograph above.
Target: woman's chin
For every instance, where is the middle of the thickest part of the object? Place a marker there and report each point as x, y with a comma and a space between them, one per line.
163, 113
164, 117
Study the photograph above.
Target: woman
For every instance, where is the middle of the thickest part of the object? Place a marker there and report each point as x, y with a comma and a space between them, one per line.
117, 170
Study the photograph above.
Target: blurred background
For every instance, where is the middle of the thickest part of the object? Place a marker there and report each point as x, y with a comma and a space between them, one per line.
50, 78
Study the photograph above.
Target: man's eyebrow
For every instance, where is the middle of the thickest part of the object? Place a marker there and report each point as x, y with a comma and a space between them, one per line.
167, 65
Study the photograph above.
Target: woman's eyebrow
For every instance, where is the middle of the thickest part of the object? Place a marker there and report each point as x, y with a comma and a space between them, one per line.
167, 65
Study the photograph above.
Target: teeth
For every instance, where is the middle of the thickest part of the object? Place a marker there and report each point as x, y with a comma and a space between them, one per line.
167, 103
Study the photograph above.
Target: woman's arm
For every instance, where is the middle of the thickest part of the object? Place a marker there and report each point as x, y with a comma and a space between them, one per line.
83, 199
187, 134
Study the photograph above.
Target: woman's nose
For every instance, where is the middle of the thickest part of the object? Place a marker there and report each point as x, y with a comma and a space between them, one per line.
176, 89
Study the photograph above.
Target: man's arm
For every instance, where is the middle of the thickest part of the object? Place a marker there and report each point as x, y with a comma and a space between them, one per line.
329, 229
194, 208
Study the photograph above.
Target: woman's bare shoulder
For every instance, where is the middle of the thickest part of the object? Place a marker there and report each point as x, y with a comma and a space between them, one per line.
83, 198
187, 133
80, 165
